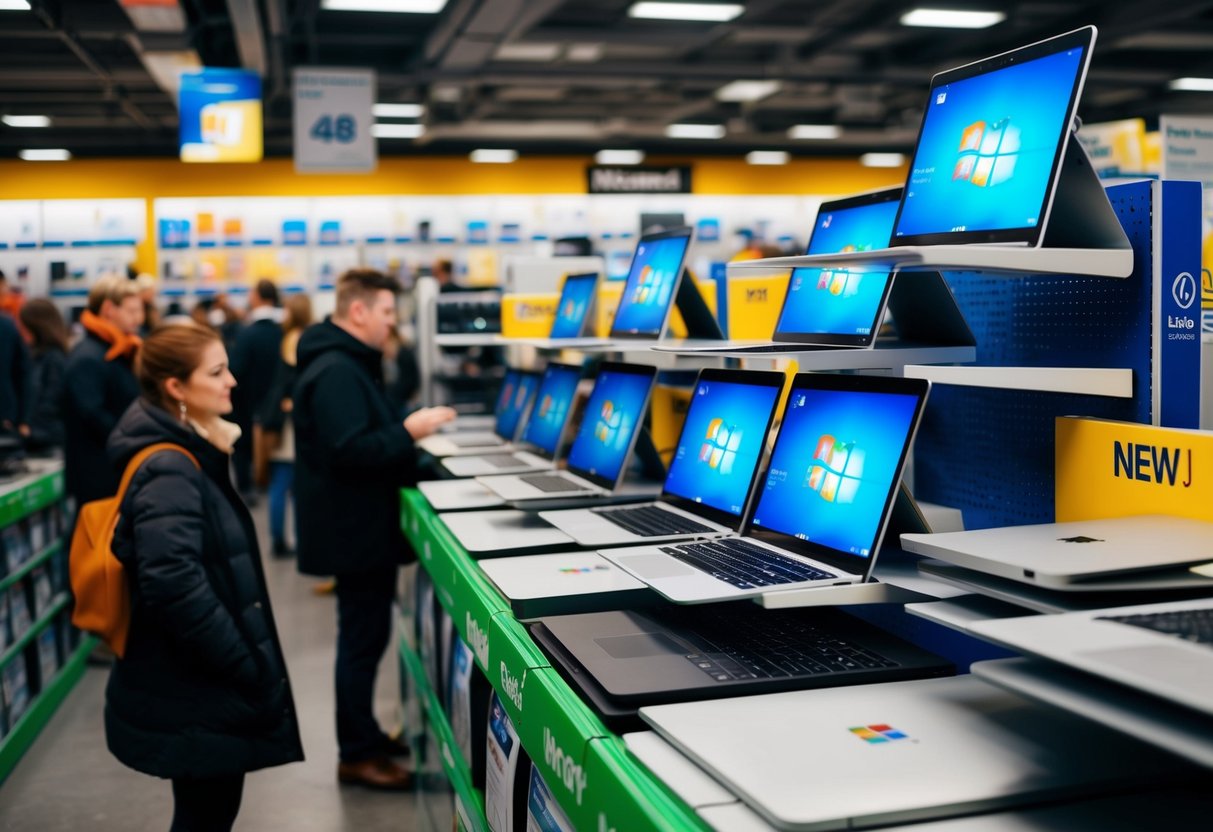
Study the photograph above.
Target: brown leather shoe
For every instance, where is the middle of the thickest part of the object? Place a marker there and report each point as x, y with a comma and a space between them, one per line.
378, 773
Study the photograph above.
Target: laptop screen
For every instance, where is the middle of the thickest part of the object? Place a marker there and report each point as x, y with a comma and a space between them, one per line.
652, 281
551, 410
516, 393
836, 465
834, 306
722, 440
990, 145
612, 417
576, 298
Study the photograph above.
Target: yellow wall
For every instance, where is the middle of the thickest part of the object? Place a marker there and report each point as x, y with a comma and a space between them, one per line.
155, 178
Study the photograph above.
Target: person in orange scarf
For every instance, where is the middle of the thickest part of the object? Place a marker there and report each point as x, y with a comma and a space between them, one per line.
99, 384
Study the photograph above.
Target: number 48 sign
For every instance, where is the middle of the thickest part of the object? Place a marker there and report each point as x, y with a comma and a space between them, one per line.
333, 120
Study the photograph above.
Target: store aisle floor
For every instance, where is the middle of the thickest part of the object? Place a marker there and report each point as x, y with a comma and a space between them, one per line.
68, 780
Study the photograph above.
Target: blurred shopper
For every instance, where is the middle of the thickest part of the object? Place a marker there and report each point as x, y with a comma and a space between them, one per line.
255, 359
147, 294
401, 375
201, 695
15, 398
353, 453
10, 299
276, 427
99, 385
48, 335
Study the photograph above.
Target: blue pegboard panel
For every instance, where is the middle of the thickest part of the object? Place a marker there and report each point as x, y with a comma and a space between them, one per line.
990, 452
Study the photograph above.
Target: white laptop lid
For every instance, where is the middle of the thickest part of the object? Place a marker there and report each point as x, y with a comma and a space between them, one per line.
560, 574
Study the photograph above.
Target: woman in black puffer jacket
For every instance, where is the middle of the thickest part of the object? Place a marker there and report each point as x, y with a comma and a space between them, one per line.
201, 695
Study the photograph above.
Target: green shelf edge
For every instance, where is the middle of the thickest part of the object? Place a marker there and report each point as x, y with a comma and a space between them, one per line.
30, 565
58, 604
18, 741
14, 507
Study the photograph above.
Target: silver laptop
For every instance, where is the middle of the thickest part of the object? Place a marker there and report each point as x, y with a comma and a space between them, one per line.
1163, 649
898, 752
517, 392
563, 583
540, 440
1060, 555
598, 456
712, 472
820, 509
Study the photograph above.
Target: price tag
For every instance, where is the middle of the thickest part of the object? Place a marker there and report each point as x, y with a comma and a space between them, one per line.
333, 120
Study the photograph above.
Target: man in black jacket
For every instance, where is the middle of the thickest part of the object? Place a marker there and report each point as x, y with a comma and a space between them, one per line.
352, 456
254, 362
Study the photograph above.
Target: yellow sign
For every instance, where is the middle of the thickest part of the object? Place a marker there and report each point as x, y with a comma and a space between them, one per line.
669, 411
528, 315
1118, 469
754, 305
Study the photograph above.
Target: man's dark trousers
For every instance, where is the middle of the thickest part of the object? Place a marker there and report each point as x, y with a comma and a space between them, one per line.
364, 628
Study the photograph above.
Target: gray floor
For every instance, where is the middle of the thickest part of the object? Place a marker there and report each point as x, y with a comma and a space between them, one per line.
68, 781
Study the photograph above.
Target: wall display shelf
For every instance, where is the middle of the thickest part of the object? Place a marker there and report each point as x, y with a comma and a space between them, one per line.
1085, 381
837, 359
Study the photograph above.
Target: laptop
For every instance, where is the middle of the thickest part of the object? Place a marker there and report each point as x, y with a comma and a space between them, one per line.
563, 583
540, 441
820, 509
831, 308
1163, 649
1063, 555
598, 456
629, 658
517, 392
577, 298
895, 753
712, 471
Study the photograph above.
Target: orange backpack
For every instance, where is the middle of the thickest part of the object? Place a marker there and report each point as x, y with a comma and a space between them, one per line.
103, 597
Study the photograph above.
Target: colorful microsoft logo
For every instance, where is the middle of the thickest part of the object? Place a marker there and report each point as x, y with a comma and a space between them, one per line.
875, 734
839, 283
836, 470
645, 286
612, 427
583, 570
719, 450
507, 393
987, 153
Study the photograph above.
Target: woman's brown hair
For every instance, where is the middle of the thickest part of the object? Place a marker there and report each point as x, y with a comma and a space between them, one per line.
42, 319
173, 351
298, 312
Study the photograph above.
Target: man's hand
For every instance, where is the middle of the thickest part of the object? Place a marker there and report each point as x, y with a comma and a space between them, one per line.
423, 422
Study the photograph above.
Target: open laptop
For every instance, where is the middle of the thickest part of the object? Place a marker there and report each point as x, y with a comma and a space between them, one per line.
712, 472
820, 509
598, 456
540, 441
1065, 555
1163, 649
577, 296
517, 392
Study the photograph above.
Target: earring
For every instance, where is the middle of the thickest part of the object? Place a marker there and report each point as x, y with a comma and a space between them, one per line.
184, 416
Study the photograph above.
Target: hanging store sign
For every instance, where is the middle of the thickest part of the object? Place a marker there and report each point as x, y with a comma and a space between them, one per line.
220, 116
333, 118
638, 180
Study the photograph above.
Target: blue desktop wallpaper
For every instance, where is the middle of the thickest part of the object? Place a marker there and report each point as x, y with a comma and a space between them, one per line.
520, 394
615, 408
575, 301
987, 148
835, 301
833, 466
721, 441
551, 409
650, 287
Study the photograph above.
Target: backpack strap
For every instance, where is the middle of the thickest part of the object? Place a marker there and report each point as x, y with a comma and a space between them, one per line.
138, 459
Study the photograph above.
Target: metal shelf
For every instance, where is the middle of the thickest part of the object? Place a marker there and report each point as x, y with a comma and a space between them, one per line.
1117, 383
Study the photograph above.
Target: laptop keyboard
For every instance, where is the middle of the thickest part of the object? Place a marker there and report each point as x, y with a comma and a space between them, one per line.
475, 442
741, 645
744, 565
1190, 625
502, 460
652, 521
550, 483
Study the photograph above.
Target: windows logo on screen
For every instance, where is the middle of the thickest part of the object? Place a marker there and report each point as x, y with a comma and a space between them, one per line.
836, 471
646, 286
988, 153
877, 734
552, 410
719, 449
613, 427
840, 283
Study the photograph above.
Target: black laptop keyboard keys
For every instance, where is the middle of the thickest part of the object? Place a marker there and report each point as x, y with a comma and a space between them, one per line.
652, 521
551, 483
1190, 625
744, 564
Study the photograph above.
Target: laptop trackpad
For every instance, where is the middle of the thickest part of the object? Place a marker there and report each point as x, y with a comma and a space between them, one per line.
1173, 664
654, 566
638, 646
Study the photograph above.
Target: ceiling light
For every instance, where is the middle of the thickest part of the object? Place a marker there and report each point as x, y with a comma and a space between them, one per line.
711, 12
447, 93
951, 19
494, 157
619, 157
26, 121
747, 90
397, 131
53, 154
528, 52
398, 110
882, 160
767, 157
399, 6
1192, 84
695, 131
14, 6
814, 131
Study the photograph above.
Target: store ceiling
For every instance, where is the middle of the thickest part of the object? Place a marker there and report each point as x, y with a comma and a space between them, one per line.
561, 76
